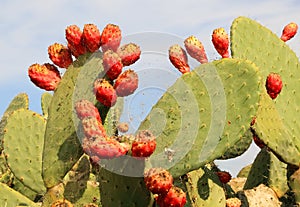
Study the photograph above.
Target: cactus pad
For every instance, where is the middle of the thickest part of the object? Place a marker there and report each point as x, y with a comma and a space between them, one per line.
18, 102
268, 170
45, 102
204, 188
203, 114
23, 145
10, 197
276, 122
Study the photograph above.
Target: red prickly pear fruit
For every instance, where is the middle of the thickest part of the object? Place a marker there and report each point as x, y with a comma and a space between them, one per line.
158, 180
144, 145
75, 42
60, 55
111, 37
175, 197
92, 127
97, 147
220, 41
273, 85
73, 34
85, 108
233, 202
77, 50
224, 176
129, 53
289, 31
105, 92
44, 76
112, 64
178, 58
91, 37
195, 49
126, 83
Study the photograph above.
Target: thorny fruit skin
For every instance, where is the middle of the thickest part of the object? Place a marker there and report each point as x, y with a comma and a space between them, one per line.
289, 31
129, 53
92, 127
112, 64
85, 108
158, 180
73, 34
60, 55
126, 83
105, 92
104, 148
195, 49
273, 85
175, 197
91, 37
220, 41
233, 202
62, 203
178, 57
224, 176
75, 42
144, 145
111, 37
44, 76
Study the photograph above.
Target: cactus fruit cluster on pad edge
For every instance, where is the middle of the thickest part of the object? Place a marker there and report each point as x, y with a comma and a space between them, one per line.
77, 153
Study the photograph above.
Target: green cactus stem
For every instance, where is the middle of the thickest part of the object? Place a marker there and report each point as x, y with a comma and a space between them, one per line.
62, 147
18, 102
63, 135
23, 146
91, 193
122, 191
207, 111
45, 103
268, 170
276, 124
76, 180
10, 197
204, 188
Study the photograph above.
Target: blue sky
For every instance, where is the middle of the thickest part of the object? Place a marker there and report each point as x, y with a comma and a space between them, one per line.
29, 27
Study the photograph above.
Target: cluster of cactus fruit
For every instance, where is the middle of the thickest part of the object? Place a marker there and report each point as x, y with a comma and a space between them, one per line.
77, 153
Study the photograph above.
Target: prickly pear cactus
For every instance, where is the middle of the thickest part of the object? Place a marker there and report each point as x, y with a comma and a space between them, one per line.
205, 118
276, 122
23, 146
268, 170
205, 115
204, 188
18, 102
122, 191
10, 197
45, 102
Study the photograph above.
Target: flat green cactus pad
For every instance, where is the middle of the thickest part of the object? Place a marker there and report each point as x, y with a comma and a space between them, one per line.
10, 197
23, 147
45, 102
203, 114
205, 189
277, 121
268, 170
18, 102
62, 146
